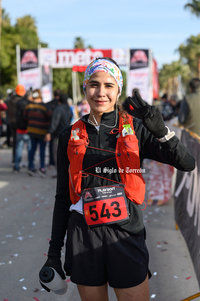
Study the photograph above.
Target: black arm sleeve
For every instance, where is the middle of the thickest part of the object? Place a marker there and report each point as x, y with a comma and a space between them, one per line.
61, 212
172, 152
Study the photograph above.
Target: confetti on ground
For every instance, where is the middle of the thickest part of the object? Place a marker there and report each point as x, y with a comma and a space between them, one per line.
175, 277
36, 299
36, 290
188, 277
21, 279
155, 273
14, 255
68, 280
24, 288
10, 262
153, 296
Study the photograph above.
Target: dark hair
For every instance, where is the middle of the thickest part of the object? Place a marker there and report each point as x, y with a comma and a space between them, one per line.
164, 96
63, 98
57, 93
194, 83
107, 58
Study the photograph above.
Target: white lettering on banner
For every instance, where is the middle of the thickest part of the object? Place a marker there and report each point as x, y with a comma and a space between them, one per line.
191, 182
139, 75
69, 59
29, 75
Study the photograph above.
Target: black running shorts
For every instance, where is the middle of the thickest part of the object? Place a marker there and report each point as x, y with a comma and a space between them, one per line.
95, 256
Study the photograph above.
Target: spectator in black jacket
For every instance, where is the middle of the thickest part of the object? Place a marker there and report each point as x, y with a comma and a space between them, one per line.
22, 136
19, 93
60, 120
52, 105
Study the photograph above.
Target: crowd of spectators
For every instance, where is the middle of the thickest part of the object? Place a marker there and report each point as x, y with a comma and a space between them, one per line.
26, 122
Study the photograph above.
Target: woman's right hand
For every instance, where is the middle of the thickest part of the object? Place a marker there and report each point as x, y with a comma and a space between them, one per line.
55, 263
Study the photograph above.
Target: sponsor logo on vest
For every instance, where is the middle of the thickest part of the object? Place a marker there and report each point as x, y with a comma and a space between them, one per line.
87, 195
105, 190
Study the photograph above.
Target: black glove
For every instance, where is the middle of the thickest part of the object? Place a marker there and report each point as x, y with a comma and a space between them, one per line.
55, 263
151, 116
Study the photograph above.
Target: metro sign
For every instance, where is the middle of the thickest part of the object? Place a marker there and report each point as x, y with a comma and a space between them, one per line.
79, 57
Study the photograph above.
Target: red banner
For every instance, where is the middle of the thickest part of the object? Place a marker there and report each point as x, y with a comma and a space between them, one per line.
79, 57
155, 80
79, 68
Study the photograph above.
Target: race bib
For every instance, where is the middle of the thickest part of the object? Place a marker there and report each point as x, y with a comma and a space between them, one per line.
104, 205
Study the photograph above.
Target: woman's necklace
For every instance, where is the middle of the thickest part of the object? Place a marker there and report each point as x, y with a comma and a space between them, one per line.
96, 125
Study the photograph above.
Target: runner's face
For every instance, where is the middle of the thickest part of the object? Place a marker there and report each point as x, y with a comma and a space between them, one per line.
101, 92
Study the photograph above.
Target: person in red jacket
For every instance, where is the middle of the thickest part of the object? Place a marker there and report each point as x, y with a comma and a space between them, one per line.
100, 188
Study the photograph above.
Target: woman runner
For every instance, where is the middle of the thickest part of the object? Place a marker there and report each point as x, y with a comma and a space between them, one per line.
100, 189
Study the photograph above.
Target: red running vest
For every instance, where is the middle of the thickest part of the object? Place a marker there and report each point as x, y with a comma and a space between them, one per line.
126, 154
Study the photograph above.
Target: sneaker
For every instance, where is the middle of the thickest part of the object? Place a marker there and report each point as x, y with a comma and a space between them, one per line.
32, 172
42, 172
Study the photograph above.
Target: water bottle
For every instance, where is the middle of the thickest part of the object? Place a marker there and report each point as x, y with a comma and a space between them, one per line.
51, 279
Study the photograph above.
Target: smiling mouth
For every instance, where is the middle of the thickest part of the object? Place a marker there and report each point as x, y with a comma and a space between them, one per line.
101, 101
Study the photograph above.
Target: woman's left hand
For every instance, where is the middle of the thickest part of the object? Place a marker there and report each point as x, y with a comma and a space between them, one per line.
151, 116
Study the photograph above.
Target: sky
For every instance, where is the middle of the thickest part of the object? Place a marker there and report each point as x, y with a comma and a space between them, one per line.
161, 25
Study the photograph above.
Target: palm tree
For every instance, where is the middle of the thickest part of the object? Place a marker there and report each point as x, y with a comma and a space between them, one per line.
168, 76
191, 54
79, 43
194, 7
5, 19
27, 22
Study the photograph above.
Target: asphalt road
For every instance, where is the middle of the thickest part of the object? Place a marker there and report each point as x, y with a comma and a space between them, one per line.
26, 206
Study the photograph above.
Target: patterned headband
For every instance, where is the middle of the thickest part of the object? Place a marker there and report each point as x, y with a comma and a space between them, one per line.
105, 66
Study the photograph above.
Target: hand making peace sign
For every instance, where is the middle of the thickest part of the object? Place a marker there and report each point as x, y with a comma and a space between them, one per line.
151, 116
